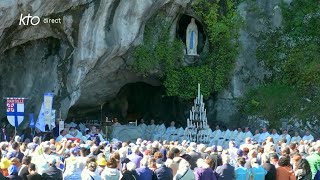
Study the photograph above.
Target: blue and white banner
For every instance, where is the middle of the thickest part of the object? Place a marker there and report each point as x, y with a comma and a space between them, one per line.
41, 125
31, 123
47, 107
15, 111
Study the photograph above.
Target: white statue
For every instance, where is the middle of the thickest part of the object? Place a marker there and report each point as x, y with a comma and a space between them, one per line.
192, 38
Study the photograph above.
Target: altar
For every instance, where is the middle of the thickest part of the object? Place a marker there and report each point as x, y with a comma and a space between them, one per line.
126, 132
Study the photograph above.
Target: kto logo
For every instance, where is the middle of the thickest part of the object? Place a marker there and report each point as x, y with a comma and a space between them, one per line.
25, 20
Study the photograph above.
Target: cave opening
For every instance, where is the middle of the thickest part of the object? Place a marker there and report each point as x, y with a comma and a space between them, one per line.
135, 101
182, 25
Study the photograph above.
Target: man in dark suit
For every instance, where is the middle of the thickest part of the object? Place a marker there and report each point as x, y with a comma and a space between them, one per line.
162, 172
225, 171
272, 172
194, 155
52, 173
3, 133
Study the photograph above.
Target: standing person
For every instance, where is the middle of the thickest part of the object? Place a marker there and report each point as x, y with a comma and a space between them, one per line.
3, 133
134, 157
72, 166
265, 162
33, 175
284, 171
225, 171
162, 172
184, 172
194, 155
204, 170
257, 171
52, 173
303, 171
23, 172
308, 137
111, 172
144, 173
13, 173
286, 136
296, 138
241, 173
130, 173
314, 160
263, 136
90, 173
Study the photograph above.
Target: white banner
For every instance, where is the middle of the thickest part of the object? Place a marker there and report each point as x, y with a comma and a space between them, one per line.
61, 125
47, 107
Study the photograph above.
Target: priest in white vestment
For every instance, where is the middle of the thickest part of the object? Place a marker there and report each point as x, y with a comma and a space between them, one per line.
275, 136
263, 136
150, 130
171, 134
295, 138
286, 136
143, 128
308, 137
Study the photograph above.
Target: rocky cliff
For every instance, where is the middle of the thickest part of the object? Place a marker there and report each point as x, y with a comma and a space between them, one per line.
80, 59
84, 59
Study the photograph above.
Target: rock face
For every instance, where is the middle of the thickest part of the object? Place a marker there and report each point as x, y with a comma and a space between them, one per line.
248, 71
82, 59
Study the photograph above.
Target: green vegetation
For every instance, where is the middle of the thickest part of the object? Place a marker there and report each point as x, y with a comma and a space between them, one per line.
159, 54
292, 54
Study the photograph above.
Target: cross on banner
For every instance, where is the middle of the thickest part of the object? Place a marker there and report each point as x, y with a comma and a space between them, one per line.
15, 111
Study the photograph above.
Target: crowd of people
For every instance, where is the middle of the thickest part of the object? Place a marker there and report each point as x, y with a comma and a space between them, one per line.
260, 156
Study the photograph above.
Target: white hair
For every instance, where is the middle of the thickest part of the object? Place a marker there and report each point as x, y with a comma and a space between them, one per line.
131, 166
225, 159
183, 164
144, 162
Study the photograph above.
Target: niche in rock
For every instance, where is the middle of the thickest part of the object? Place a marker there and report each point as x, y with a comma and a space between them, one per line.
135, 101
182, 25
141, 100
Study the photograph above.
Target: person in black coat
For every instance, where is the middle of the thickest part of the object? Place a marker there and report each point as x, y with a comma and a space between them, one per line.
162, 172
129, 173
272, 172
33, 174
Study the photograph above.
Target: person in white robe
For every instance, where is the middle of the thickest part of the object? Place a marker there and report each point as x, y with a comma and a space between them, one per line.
247, 132
215, 136
286, 136
221, 138
256, 136
308, 137
263, 136
227, 136
158, 135
295, 138
240, 137
143, 128
62, 135
150, 130
275, 136
171, 133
